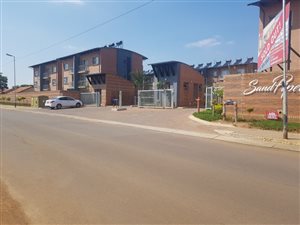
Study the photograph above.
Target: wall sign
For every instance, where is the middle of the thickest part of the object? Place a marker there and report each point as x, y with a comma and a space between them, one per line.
272, 115
276, 84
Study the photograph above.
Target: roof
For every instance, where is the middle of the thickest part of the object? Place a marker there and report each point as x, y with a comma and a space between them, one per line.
7, 91
227, 63
249, 60
87, 51
166, 62
237, 62
217, 64
263, 3
208, 65
22, 89
51, 61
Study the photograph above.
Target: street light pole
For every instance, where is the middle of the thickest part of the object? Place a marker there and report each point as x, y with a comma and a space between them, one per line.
284, 102
15, 86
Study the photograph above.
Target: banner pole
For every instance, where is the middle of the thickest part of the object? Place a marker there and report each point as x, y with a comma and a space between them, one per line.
284, 100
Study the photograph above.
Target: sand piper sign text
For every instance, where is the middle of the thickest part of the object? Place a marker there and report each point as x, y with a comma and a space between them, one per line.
277, 84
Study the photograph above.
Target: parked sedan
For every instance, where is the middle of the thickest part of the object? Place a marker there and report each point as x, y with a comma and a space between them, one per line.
63, 102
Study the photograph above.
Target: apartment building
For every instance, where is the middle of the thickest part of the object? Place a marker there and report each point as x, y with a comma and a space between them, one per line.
105, 70
214, 73
268, 9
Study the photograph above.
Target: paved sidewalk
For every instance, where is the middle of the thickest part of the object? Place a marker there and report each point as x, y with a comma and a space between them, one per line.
178, 121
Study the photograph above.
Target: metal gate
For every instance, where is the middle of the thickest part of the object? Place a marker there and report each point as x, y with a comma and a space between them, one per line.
208, 97
91, 98
161, 98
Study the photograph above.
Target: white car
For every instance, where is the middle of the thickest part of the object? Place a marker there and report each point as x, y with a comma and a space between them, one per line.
63, 102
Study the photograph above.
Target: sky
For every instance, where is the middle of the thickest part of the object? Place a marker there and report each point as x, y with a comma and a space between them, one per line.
191, 31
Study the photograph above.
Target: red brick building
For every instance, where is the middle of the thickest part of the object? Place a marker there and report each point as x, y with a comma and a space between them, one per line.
105, 70
186, 82
268, 9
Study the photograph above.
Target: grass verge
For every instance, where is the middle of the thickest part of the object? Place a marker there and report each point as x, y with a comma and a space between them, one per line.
274, 125
207, 115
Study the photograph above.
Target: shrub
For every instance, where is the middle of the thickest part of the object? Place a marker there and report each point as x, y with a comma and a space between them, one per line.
250, 110
218, 108
8, 99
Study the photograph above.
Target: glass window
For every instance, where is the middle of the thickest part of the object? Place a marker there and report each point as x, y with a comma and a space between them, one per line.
95, 60
83, 62
36, 73
54, 69
66, 66
65, 80
241, 71
53, 82
223, 73
186, 86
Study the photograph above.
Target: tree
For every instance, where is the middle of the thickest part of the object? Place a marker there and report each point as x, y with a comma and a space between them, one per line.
138, 79
3, 82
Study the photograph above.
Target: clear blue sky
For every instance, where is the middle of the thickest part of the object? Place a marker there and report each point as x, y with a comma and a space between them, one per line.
193, 32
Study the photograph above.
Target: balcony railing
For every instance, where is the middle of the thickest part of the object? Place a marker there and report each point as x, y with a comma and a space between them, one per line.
45, 75
83, 69
45, 87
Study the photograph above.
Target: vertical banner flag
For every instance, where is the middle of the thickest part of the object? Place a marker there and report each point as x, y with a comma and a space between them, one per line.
270, 46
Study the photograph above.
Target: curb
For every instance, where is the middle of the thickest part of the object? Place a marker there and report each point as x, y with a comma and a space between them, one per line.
247, 141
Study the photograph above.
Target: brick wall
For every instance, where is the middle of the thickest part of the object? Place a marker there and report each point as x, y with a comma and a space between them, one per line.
137, 63
267, 98
108, 60
114, 84
49, 94
189, 77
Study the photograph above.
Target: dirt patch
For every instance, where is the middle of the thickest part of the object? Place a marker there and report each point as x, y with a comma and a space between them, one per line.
10, 210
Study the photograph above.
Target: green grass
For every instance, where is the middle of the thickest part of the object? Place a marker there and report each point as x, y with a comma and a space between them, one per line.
207, 115
274, 125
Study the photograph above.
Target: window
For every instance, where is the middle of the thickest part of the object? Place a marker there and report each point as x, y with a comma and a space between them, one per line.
95, 60
53, 82
65, 80
54, 69
82, 82
241, 71
66, 66
186, 86
223, 73
83, 62
36, 73
215, 74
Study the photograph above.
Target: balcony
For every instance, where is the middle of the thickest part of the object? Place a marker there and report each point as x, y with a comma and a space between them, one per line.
83, 69
45, 87
45, 75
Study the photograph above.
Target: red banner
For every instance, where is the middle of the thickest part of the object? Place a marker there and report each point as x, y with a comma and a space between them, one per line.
270, 50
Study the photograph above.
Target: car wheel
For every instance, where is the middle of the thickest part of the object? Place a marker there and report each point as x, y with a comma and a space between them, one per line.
78, 105
51, 107
58, 106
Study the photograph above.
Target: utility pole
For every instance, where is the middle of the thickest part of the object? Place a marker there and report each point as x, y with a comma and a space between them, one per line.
15, 86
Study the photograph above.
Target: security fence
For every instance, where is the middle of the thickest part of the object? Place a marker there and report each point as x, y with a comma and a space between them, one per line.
91, 98
161, 98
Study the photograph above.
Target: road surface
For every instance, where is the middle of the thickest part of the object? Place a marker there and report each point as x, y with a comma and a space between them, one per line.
69, 171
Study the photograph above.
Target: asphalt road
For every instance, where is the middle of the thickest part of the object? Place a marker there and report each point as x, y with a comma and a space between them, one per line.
69, 171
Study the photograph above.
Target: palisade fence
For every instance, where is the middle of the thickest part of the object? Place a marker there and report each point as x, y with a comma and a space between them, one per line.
160, 98
89, 98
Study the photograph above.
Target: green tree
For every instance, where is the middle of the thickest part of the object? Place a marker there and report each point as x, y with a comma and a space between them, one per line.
138, 79
3, 82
